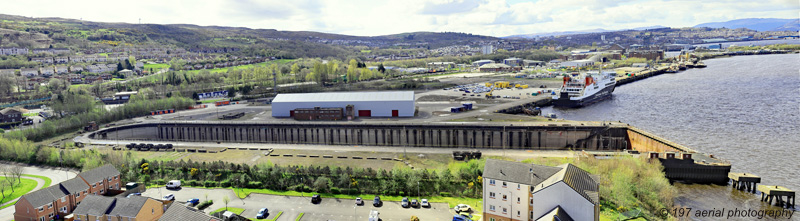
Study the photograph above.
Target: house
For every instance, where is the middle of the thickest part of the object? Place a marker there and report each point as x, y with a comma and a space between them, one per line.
61, 69
181, 212
92, 79
8, 115
29, 72
117, 208
13, 51
75, 68
47, 71
74, 79
44, 204
8, 72
521, 191
106, 77
61, 60
45, 60
102, 179
61, 199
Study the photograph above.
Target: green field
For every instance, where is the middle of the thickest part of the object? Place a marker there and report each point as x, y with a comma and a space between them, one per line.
155, 67
47, 181
247, 66
25, 186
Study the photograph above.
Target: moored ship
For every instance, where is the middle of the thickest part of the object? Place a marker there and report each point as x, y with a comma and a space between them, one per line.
582, 89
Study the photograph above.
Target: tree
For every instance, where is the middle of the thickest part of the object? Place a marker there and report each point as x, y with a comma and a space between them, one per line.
295, 69
352, 72
381, 68
17, 171
321, 184
226, 200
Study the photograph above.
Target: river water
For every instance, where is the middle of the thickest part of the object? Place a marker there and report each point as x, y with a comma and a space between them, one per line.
744, 109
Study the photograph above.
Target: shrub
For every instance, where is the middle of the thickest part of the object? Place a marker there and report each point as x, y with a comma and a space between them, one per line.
193, 183
209, 183
225, 183
254, 184
445, 194
160, 181
205, 204
335, 190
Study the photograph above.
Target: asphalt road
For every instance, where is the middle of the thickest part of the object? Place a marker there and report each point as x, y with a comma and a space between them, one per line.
328, 209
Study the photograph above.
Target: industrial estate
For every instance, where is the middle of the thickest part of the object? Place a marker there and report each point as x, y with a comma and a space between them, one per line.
209, 123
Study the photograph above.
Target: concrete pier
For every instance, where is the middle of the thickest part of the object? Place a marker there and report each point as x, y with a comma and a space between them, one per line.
768, 193
744, 181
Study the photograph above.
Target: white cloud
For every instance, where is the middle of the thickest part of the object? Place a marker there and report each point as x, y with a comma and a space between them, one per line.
366, 17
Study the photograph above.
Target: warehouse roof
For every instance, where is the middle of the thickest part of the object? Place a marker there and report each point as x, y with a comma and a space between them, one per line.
495, 65
346, 96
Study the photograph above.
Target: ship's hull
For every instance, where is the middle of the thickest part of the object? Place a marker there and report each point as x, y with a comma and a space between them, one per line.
565, 101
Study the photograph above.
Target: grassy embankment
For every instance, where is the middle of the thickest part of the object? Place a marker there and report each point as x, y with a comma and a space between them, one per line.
238, 211
21, 188
47, 183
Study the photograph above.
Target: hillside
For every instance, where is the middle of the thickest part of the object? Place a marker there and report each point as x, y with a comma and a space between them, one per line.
758, 24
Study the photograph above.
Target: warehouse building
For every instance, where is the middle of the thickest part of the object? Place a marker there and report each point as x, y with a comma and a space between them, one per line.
363, 104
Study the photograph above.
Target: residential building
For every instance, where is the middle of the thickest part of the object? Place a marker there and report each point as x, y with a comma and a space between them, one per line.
102, 179
61, 69
181, 212
29, 72
119, 209
47, 71
75, 68
41, 205
13, 51
92, 79
94, 208
10, 115
520, 191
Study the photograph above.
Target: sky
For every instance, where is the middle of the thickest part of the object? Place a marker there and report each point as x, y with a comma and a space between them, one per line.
376, 17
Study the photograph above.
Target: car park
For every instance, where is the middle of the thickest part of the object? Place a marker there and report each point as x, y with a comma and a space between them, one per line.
316, 199
404, 203
424, 203
263, 213
193, 201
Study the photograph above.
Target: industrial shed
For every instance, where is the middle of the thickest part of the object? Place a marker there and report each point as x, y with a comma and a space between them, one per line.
365, 104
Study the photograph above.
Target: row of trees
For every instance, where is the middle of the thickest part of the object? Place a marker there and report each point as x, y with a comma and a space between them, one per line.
13, 176
398, 181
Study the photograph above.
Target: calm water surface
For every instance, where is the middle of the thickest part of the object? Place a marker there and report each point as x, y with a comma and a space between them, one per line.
744, 109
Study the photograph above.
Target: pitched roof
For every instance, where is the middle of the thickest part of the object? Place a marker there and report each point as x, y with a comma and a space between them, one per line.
74, 185
128, 207
346, 96
6, 111
45, 196
524, 173
556, 213
178, 212
98, 174
577, 179
95, 205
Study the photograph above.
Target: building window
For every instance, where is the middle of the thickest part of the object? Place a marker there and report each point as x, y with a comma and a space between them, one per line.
50, 205
94, 185
505, 197
41, 218
109, 179
531, 201
491, 207
78, 194
517, 213
492, 219
491, 195
64, 199
41, 209
491, 182
505, 210
504, 184
517, 186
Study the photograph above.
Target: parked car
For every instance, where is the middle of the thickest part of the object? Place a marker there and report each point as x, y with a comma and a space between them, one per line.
462, 208
359, 201
133, 194
424, 203
169, 197
414, 203
263, 213
404, 203
377, 201
193, 201
316, 199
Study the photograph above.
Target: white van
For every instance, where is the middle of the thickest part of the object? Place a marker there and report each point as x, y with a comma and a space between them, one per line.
373, 215
173, 184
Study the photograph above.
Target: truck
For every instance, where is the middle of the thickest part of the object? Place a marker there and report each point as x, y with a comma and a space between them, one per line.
174, 184
373, 215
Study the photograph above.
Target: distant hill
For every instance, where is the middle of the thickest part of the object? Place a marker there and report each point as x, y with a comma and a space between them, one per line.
565, 33
758, 24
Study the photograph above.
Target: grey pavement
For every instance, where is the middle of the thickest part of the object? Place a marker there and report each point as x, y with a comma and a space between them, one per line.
328, 209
